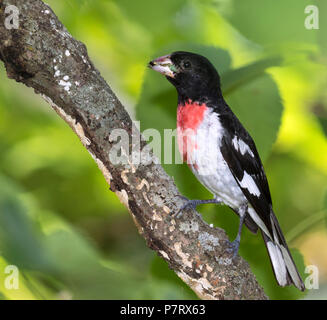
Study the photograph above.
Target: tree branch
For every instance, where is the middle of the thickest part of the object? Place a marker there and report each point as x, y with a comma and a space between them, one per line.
43, 55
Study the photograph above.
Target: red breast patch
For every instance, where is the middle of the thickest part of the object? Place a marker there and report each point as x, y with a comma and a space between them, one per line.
189, 118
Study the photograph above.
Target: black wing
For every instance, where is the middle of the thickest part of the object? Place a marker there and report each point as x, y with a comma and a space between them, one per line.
241, 155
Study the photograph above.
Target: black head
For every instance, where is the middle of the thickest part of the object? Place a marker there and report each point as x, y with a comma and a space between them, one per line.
193, 75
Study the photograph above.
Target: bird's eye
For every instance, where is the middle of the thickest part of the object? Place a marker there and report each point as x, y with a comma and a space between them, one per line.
187, 64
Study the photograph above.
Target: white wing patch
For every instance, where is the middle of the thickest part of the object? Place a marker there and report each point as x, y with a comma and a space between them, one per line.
248, 183
241, 146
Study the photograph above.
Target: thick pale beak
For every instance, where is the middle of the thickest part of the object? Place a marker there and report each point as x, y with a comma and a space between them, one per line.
164, 65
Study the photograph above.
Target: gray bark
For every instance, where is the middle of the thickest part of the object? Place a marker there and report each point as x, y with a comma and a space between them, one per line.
32, 54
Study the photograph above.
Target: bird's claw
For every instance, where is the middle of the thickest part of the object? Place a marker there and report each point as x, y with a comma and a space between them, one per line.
192, 204
233, 247
189, 204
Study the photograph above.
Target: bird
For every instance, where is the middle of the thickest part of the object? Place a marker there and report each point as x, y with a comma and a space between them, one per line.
223, 157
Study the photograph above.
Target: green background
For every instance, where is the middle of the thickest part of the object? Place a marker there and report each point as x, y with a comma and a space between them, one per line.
67, 232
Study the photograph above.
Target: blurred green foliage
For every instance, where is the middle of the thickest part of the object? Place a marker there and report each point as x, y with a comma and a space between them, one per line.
59, 223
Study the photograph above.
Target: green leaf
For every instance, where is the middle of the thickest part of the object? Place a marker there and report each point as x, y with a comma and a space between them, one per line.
323, 123
320, 110
254, 98
269, 22
60, 255
322, 32
160, 18
258, 105
241, 76
20, 239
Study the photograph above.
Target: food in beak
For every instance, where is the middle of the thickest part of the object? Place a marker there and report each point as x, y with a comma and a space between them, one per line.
163, 65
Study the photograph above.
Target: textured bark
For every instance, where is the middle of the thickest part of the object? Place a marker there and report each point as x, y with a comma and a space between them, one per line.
39, 54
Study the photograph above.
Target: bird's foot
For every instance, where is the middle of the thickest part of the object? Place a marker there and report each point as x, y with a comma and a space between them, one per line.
233, 247
192, 204
189, 204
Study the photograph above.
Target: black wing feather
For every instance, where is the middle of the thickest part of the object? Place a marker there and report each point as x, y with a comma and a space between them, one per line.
240, 163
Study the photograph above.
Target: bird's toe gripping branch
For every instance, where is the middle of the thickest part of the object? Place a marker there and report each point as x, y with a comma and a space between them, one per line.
192, 204
233, 247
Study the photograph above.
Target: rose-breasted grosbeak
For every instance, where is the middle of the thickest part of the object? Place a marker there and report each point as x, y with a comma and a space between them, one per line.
222, 155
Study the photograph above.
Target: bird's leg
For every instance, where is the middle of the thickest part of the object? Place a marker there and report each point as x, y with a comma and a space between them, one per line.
234, 246
192, 204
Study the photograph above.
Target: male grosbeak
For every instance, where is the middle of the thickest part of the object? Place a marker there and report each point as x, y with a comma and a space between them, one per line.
222, 155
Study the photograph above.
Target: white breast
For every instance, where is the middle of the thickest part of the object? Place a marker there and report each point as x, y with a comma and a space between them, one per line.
209, 166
